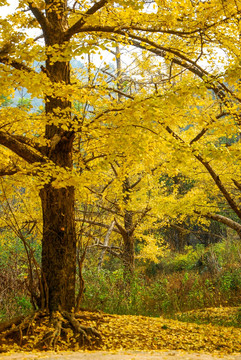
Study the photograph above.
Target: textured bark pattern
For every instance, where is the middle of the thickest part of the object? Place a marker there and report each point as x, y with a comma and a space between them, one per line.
129, 254
59, 246
59, 238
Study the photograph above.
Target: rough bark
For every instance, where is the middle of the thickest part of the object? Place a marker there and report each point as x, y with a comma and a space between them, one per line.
128, 254
59, 247
59, 237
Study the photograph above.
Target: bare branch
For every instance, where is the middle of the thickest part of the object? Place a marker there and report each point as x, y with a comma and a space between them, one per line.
120, 93
85, 161
109, 249
97, 224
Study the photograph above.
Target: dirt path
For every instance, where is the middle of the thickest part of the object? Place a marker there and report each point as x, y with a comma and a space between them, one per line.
120, 355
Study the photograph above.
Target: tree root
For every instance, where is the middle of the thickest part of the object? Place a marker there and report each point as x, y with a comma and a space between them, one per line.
9, 323
62, 330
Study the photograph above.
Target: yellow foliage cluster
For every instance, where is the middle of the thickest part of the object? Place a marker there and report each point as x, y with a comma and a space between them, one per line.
172, 113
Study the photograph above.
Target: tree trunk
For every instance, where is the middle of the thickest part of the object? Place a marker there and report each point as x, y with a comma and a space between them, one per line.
127, 234
128, 255
106, 243
128, 239
59, 236
59, 247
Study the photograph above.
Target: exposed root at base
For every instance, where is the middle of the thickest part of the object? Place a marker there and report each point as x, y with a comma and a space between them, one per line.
41, 331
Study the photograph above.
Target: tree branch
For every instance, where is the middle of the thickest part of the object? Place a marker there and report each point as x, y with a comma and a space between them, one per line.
199, 135
143, 214
109, 249
29, 142
220, 185
120, 228
6, 171
22, 150
115, 212
226, 221
137, 182
212, 173
96, 223
74, 29
42, 20
78, 26
204, 130
17, 65
237, 184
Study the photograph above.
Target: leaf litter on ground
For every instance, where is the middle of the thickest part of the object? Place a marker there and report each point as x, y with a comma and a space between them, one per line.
129, 332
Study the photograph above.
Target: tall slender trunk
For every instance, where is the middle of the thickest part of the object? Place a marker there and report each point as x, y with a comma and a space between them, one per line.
128, 234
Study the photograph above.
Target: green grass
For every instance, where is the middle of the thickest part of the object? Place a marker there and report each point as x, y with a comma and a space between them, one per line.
223, 316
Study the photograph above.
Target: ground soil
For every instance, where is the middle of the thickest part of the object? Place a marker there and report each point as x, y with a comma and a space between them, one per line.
120, 355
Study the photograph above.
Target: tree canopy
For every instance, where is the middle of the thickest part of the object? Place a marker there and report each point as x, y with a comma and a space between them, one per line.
102, 133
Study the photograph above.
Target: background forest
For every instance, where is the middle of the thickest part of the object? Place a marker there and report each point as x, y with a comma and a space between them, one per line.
120, 176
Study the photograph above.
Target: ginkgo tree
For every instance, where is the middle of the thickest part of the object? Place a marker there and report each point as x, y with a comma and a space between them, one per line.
122, 197
42, 142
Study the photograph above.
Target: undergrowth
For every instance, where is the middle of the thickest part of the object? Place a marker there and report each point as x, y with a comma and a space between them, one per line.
195, 279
